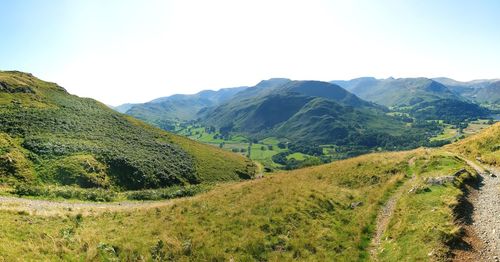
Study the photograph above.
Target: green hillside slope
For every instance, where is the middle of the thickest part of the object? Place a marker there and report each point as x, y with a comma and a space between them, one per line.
324, 213
313, 112
50, 136
323, 121
485, 146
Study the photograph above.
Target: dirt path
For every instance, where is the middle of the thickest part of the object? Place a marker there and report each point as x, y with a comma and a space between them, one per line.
47, 208
385, 214
482, 231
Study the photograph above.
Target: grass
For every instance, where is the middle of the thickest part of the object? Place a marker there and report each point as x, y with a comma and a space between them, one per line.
423, 223
303, 215
475, 127
239, 144
51, 192
449, 133
306, 215
297, 156
48, 136
484, 146
262, 152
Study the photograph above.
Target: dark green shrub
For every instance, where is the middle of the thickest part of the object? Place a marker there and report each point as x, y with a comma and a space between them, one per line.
66, 192
167, 193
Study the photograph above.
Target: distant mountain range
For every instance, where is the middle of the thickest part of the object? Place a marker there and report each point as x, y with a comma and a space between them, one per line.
482, 91
177, 107
421, 97
337, 112
398, 92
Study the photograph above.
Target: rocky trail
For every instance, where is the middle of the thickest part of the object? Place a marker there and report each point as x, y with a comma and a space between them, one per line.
482, 227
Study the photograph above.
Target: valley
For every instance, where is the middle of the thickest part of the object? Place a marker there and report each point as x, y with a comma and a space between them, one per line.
313, 129
380, 193
249, 131
302, 215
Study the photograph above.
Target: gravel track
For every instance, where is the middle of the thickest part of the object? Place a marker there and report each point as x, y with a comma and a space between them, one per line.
486, 214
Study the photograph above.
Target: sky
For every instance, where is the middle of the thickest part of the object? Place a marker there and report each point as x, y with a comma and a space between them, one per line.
120, 51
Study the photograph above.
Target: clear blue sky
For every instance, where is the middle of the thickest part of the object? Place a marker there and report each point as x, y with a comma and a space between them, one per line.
120, 51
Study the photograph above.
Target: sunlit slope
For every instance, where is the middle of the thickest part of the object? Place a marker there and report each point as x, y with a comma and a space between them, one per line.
50, 136
485, 145
324, 213
321, 213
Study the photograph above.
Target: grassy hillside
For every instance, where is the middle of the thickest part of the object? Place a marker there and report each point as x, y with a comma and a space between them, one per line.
325, 121
424, 224
312, 112
324, 213
484, 145
50, 136
302, 215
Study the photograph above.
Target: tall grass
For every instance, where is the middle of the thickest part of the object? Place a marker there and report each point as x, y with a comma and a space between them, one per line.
301, 215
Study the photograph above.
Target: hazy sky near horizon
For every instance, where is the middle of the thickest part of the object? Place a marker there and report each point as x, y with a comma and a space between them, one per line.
119, 51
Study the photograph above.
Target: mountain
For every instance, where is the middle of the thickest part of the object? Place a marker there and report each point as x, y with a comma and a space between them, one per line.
398, 92
123, 108
482, 91
164, 111
392, 206
306, 111
49, 136
489, 94
421, 97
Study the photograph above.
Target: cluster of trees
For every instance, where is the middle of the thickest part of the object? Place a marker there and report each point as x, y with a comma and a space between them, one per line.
450, 111
304, 148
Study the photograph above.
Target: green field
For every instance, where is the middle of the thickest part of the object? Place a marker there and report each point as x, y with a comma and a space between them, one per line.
476, 127
452, 133
297, 156
262, 151
449, 133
